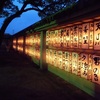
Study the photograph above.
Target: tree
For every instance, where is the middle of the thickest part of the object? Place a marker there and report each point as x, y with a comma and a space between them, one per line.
44, 8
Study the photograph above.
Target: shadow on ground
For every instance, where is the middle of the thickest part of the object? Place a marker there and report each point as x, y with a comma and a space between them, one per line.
20, 79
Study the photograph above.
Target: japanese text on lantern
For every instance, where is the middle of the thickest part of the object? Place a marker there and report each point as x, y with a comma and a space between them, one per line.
96, 69
97, 35
85, 35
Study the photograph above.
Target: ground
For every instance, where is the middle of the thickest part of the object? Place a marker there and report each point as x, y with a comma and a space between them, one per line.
20, 79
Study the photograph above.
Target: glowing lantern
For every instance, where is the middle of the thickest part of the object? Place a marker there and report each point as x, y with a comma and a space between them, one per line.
75, 37
97, 35
70, 62
56, 38
80, 36
71, 37
64, 38
85, 35
74, 62
89, 77
91, 36
59, 38
47, 55
59, 59
55, 58
68, 37
79, 65
84, 66
47, 37
96, 69
67, 61
63, 60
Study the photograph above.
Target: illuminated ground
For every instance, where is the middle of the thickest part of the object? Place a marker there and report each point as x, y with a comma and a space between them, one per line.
22, 80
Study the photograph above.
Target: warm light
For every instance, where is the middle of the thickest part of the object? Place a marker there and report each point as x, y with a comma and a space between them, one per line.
96, 69
85, 35
97, 35
74, 62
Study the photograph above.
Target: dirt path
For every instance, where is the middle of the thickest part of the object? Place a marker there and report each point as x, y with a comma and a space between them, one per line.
22, 80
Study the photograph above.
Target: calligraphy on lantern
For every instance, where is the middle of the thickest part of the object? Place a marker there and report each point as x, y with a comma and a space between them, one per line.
85, 36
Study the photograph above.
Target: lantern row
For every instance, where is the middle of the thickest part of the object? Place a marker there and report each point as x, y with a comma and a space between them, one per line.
81, 64
32, 52
85, 36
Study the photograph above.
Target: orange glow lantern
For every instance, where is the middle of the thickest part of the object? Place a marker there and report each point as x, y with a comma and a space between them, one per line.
70, 62
80, 36
85, 35
89, 77
67, 63
84, 65
91, 36
79, 65
97, 35
75, 37
96, 69
68, 37
74, 62
71, 37
59, 59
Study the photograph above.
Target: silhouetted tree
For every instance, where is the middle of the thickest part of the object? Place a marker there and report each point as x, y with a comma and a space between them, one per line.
44, 8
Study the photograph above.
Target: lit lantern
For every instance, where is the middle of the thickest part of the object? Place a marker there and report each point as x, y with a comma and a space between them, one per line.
75, 36
79, 65
74, 62
63, 60
96, 69
47, 55
70, 62
60, 59
97, 35
91, 36
64, 38
55, 58
51, 53
47, 37
68, 37
59, 38
56, 38
80, 36
84, 66
89, 75
67, 61
71, 37
85, 35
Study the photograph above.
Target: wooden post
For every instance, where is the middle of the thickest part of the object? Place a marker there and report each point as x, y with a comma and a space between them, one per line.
43, 64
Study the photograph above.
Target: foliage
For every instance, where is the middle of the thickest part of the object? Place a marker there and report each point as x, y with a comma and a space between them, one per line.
44, 7
7, 8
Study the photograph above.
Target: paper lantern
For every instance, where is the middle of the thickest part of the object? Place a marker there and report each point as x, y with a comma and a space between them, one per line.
47, 37
68, 37
85, 35
91, 36
80, 36
71, 37
56, 38
67, 61
75, 37
96, 69
64, 38
70, 62
74, 62
90, 66
84, 65
79, 65
97, 35
59, 59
